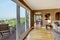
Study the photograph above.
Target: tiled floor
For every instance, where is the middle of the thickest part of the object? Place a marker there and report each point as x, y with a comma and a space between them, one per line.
40, 34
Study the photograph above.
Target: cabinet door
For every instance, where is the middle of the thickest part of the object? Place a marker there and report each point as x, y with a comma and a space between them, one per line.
57, 16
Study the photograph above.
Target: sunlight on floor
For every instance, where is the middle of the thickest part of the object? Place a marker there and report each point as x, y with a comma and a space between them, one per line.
40, 34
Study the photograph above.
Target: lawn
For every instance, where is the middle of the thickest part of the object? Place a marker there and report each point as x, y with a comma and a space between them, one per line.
12, 22
22, 21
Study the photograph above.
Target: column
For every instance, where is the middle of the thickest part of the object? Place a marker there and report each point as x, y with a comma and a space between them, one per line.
18, 23
32, 19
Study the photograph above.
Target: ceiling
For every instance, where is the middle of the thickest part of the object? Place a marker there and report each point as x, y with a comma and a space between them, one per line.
43, 4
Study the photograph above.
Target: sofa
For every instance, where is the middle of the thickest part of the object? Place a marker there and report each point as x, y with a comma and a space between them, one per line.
56, 30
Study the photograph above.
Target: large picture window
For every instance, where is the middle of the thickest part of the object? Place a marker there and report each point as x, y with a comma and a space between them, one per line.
24, 20
27, 19
8, 19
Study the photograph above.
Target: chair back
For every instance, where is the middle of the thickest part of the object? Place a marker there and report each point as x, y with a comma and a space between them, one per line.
4, 27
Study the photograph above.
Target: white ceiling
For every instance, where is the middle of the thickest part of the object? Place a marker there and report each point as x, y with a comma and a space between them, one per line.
43, 4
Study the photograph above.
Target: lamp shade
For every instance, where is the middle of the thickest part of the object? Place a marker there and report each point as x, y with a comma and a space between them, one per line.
49, 21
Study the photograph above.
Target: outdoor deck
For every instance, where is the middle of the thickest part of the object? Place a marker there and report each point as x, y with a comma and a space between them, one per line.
6, 36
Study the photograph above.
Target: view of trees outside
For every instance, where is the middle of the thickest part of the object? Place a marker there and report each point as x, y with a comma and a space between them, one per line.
38, 17
38, 20
27, 19
8, 16
24, 20
8, 13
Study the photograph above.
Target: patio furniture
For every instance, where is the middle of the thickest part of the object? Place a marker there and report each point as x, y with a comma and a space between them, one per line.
4, 28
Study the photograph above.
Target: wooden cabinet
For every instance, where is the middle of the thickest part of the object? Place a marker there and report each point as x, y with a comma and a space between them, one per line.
57, 16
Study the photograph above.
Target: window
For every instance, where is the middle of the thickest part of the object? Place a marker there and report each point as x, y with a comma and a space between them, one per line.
22, 20
8, 16
27, 19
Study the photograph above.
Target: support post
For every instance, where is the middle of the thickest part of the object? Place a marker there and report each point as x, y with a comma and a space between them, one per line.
18, 23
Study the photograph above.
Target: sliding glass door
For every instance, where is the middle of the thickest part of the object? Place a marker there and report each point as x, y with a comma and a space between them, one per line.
27, 20
24, 20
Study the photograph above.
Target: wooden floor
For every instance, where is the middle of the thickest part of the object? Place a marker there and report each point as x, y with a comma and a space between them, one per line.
40, 34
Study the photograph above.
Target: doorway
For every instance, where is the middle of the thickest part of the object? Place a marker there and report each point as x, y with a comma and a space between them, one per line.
37, 20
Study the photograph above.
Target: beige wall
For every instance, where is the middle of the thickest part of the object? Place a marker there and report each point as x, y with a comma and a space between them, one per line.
51, 11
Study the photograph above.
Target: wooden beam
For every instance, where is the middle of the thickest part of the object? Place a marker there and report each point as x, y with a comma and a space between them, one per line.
24, 4
45, 9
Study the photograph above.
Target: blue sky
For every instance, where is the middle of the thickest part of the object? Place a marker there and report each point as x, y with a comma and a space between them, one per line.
8, 10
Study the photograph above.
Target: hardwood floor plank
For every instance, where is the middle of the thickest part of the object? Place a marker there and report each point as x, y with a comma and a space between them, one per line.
40, 34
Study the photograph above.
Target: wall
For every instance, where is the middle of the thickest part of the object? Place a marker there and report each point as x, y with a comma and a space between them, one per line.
51, 11
32, 19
